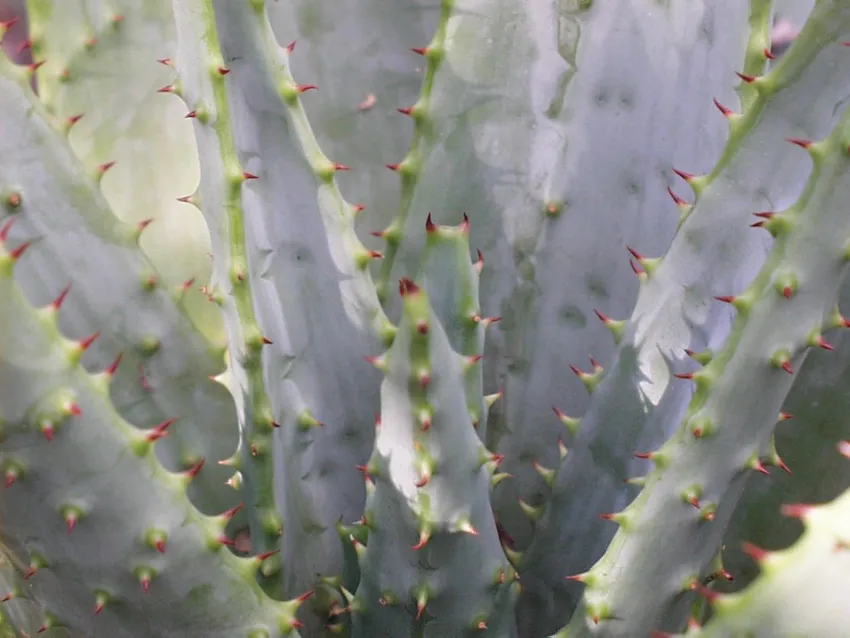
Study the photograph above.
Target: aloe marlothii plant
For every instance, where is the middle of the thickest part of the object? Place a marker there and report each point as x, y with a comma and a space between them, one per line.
395, 483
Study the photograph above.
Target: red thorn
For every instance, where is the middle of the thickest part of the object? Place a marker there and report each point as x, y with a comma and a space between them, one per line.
710, 595
727, 112
105, 166
57, 303
799, 142
430, 226
246, 176
146, 583
303, 88
753, 551
359, 208
70, 523
795, 511
684, 375
8, 24
190, 115
85, 343
261, 557
765, 214
749, 79
98, 607
823, 343
685, 176
635, 253
168, 88
114, 365
164, 61
678, 200
159, 545
193, 471
408, 110
223, 71
464, 225
406, 286
784, 416
159, 431
768, 54
340, 167
781, 464
35, 66
636, 269
4, 230
393, 167
420, 50
787, 292
758, 466
186, 199
480, 257
726, 298
16, 254
290, 47
233, 511
423, 540
26, 44
786, 365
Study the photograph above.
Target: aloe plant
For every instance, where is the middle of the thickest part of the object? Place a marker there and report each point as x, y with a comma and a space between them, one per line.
242, 295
